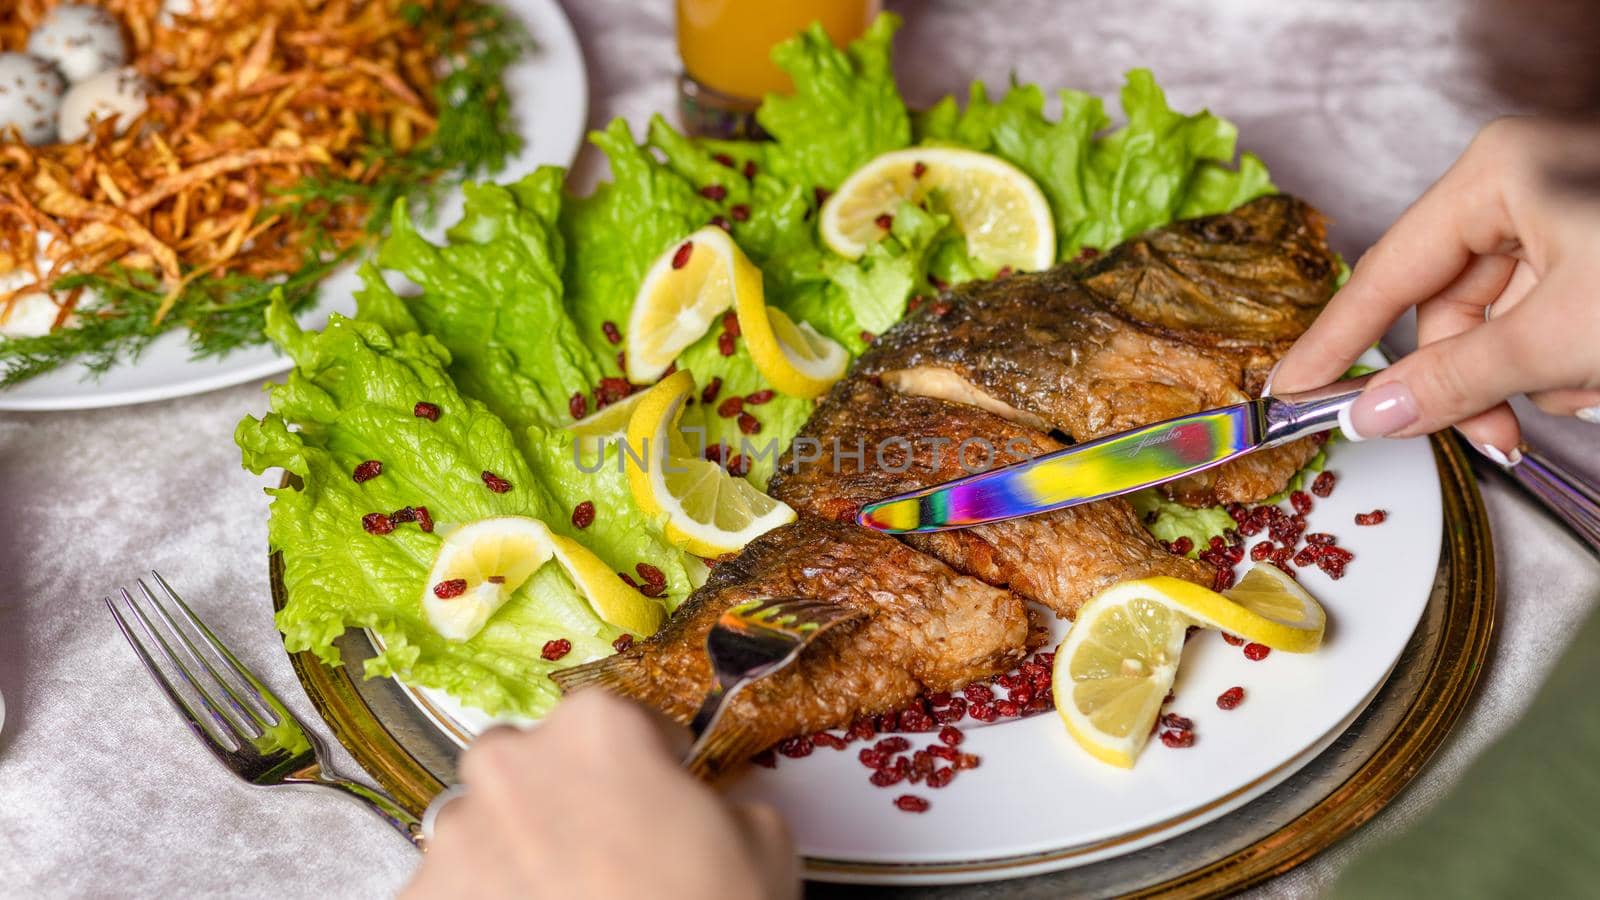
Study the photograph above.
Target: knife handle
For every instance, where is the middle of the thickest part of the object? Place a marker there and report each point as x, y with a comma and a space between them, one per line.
1293, 416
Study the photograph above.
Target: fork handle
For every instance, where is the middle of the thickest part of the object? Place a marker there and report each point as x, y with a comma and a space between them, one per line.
704, 718
409, 826
1562, 492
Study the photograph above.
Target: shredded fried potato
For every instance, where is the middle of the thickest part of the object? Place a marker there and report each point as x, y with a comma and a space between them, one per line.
244, 104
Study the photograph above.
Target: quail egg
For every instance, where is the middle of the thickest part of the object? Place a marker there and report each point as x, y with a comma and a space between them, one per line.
82, 41
119, 92
30, 96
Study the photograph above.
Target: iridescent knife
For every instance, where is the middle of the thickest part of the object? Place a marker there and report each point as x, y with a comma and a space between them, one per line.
1119, 463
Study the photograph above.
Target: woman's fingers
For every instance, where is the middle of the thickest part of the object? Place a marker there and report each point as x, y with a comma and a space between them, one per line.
1495, 427
772, 846
1428, 249
1568, 402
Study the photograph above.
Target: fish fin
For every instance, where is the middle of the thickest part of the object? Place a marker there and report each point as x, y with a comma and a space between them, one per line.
730, 743
623, 674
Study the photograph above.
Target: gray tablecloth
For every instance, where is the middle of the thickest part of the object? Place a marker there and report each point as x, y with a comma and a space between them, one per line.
1356, 105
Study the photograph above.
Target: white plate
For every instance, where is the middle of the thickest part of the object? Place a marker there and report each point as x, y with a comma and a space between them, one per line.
1038, 803
549, 98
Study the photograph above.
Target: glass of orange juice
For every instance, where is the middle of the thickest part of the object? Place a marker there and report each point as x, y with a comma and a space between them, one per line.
726, 47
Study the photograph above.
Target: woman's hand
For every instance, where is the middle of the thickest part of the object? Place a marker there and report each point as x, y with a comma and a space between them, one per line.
594, 804
1501, 258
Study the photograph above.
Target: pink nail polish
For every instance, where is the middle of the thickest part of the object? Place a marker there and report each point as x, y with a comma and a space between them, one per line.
1381, 411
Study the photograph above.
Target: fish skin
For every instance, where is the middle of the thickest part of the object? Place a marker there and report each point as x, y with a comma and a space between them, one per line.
1058, 559
1093, 350
928, 628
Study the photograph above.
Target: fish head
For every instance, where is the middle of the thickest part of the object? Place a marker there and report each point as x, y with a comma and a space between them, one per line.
1257, 275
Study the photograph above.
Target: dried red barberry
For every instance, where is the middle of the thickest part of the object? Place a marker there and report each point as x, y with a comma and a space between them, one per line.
446, 590
866, 337
978, 692
725, 345
738, 466
650, 574
1003, 274
749, 168
884, 221
583, 514
424, 518
723, 158
922, 763
1232, 640
911, 803
983, 712
1007, 708
714, 192
366, 471
756, 398
1223, 579
578, 405
766, 759
1181, 546
1262, 551
831, 741
967, 761
610, 390
623, 643
950, 736
796, 747
730, 407
1375, 517
424, 410
1301, 501
680, 257
1176, 722
1256, 652
1322, 485
887, 777
915, 301
721, 222
609, 329
1306, 556
1321, 538
628, 580
1230, 698
918, 169
893, 745
940, 308
495, 482
1177, 739
496, 579
941, 777
872, 758
402, 515
821, 194
377, 523
554, 650
749, 424
740, 212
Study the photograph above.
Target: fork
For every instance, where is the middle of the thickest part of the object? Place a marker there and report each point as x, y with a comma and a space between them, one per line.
755, 639
245, 727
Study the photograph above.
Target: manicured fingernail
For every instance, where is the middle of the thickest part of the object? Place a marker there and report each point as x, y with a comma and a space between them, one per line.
1380, 411
1497, 457
1266, 386
1590, 414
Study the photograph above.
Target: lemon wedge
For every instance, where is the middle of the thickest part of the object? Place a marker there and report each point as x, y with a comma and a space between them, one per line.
592, 431
611, 598
707, 511
1268, 592
478, 568
684, 291
480, 565
1115, 667
1004, 215
793, 358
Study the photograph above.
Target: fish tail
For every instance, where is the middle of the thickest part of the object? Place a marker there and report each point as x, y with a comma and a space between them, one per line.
729, 743
623, 674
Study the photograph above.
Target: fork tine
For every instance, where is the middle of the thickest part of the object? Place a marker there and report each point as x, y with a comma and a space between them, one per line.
199, 689
267, 707
179, 702
243, 718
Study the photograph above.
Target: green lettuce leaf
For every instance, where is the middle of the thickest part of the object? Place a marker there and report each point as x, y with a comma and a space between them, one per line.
351, 397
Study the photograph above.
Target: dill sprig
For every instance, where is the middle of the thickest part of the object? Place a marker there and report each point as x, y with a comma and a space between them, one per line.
223, 312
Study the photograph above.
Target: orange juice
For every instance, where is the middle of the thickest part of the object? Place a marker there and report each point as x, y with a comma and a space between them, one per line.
725, 44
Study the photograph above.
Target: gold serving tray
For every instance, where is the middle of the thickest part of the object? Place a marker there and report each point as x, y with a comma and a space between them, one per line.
1338, 791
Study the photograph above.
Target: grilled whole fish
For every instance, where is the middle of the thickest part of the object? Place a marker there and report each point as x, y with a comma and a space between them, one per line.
929, 628
866, 442
1185, 318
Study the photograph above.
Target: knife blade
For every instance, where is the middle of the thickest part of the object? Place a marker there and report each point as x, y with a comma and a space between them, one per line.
1119, 463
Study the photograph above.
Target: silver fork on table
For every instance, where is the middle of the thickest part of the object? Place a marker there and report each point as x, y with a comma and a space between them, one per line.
238, 719
755, 639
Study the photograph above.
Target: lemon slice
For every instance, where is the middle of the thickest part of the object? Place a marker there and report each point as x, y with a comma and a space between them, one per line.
460, 596
610, 597
595, 429
1116, 666
480, 565
708, 512
685, 290
1268, 591
1004, 215
792, 357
